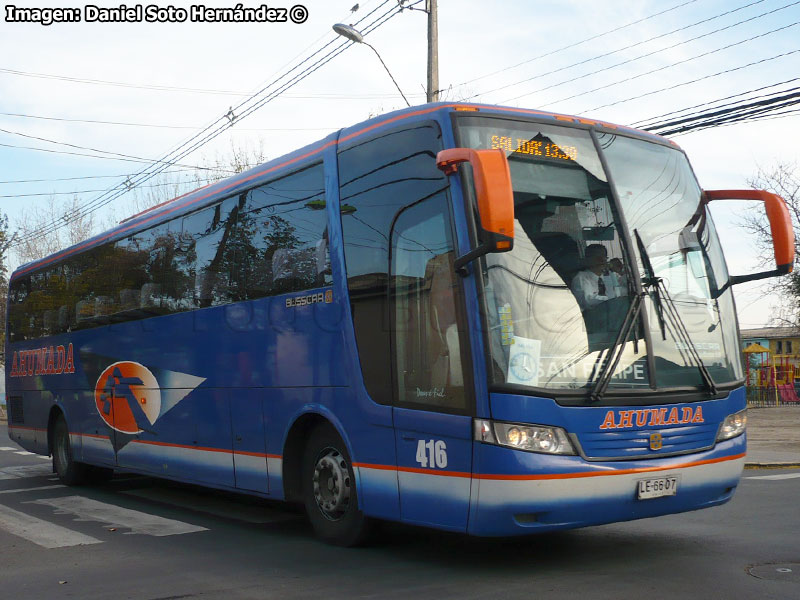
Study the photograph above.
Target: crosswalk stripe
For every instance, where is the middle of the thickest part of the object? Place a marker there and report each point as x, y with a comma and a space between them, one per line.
776, 477
40, 532
86, 509
25, 471
33, 489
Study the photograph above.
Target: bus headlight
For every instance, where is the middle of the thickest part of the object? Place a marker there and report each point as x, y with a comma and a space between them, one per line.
732, 426
531, 438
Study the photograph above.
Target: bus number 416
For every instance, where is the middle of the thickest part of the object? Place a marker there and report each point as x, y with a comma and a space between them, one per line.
432, 453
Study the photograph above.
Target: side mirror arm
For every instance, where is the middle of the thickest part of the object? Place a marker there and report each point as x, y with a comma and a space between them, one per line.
780, 223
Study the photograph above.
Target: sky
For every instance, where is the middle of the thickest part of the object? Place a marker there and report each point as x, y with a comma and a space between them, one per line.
144, 88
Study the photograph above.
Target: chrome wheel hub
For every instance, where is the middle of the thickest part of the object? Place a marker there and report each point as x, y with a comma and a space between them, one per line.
332, 484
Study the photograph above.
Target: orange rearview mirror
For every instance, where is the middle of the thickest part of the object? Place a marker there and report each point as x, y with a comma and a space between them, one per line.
780, 224
494, 195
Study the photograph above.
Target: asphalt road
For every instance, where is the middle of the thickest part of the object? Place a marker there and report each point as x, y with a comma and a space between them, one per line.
147, 539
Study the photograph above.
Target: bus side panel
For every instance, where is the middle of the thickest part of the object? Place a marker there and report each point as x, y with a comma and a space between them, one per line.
191, 443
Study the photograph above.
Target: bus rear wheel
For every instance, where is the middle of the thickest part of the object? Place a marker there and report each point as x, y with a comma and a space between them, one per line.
329, 490
70, 471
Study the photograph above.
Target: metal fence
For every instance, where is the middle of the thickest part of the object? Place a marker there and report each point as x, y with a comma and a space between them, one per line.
763, 397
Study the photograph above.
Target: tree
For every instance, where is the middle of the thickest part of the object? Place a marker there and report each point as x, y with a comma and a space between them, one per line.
782, 179
36, 236
169, 185
5, 243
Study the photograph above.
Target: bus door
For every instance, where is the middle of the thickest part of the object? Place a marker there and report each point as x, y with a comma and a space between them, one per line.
433, 426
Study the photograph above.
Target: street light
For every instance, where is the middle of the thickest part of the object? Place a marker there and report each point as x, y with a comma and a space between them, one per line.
354, 35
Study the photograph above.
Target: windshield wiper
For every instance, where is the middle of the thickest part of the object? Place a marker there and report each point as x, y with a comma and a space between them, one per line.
660, 292
615, 352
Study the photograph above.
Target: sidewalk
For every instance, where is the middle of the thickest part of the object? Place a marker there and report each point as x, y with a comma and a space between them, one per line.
773, 436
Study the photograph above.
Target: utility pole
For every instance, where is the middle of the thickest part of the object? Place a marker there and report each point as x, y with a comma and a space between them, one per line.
433, 52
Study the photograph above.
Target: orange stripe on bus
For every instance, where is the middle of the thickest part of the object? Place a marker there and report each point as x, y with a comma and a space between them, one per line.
549, 476
412, 470
10, 426
206, 449
581, 474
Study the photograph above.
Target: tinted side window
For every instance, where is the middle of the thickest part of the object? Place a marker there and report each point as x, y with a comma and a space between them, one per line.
283, 241
207, 238
17, 295
268, 240
378, 178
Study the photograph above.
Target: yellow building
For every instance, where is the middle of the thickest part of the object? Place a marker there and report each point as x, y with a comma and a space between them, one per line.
783, 342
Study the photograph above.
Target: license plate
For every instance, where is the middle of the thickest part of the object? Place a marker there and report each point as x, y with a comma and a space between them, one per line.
656, 488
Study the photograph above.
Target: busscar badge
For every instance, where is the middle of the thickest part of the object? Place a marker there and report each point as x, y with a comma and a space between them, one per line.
655, 441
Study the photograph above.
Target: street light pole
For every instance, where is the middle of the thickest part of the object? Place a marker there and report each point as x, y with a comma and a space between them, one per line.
354, 35
433, 52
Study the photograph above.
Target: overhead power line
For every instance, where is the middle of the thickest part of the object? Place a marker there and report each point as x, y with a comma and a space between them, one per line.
691, 81
159, 126
628, 47
221, 124
146, 161
671, 65
741, 111
166, 88
674, 114
83, 177
115, 155
583, 41
78, 192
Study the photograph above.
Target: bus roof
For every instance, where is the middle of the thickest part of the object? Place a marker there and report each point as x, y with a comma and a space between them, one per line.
209, 194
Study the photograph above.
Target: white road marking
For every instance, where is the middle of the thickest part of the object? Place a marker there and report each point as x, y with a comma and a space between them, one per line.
24, 453
776, 477
25, 471
33, 489
7, 449
41, 532
43, 457
86, 509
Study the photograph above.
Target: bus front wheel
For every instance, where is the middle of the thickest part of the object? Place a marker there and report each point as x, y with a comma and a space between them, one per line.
329, 490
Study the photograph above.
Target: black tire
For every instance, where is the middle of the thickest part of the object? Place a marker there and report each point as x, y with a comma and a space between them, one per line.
329, 490
69, 471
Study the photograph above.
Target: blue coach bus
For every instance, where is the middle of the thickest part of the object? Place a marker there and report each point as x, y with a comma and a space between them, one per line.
481, 319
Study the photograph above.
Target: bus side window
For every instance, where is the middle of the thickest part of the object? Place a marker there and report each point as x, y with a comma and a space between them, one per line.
428, 328
18, 295
283, 224
212, 228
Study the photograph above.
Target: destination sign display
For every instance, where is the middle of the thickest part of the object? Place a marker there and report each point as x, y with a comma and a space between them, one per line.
541, 147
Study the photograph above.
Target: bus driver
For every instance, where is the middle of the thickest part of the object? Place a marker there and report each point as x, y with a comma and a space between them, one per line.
595, 284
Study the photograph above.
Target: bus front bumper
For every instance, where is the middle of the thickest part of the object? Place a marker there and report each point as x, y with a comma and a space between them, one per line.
544, 493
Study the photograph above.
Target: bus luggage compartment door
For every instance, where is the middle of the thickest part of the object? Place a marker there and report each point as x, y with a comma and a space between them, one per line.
249, 441
434, 460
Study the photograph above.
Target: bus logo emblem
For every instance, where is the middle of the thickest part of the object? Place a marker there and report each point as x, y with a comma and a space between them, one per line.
655, 441
128, 397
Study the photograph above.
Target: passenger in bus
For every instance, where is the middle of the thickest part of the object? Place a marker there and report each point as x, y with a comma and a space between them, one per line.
595, 284
617, 269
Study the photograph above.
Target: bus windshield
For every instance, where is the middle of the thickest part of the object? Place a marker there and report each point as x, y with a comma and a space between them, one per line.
562, 306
